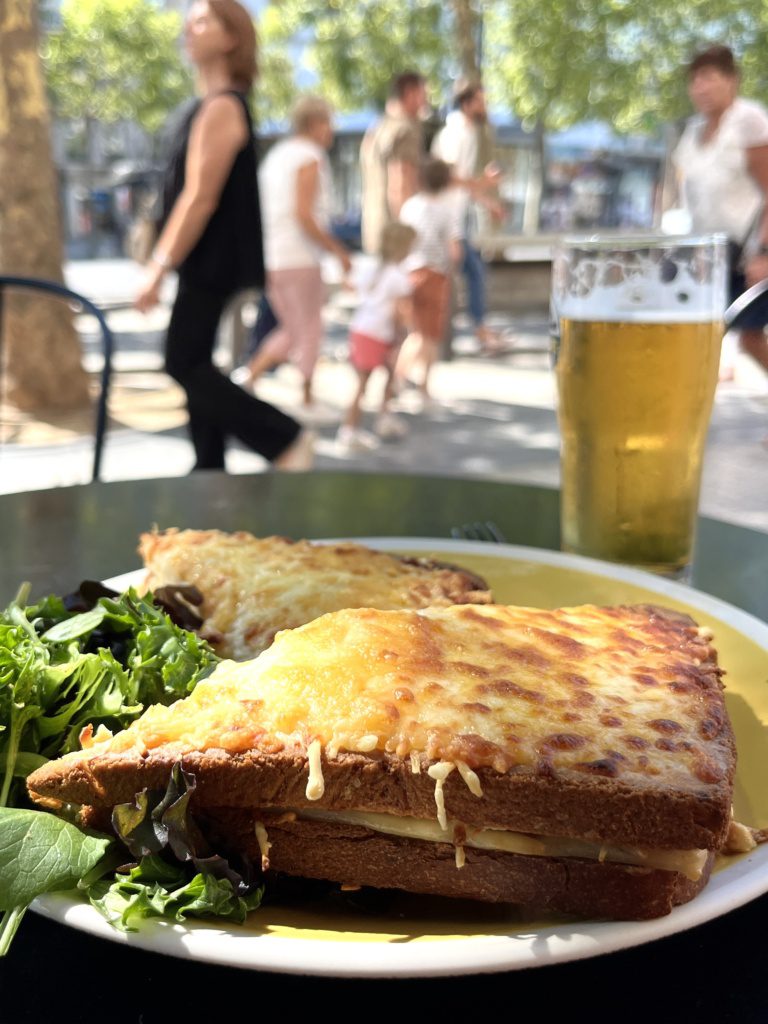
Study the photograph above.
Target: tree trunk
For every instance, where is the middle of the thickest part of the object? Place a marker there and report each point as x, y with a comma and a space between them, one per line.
535, 187
40, 349
467, 26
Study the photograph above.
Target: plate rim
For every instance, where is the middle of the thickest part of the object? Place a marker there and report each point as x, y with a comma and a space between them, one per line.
729, 888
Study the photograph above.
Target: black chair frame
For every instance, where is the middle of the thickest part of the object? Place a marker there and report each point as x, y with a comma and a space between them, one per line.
108, 347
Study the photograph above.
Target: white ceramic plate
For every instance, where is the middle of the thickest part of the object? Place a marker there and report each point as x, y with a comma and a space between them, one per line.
443, 937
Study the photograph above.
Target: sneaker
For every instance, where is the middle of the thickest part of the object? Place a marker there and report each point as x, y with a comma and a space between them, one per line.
300, 456
353, 439
390, 427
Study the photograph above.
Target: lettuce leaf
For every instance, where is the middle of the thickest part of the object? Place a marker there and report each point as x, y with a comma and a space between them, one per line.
61, 670
94, 658
154, 888
177, 874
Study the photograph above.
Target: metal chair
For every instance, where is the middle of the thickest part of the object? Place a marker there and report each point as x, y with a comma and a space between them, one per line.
108, 344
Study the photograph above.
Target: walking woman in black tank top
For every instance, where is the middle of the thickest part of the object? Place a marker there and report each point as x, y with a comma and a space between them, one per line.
211, 235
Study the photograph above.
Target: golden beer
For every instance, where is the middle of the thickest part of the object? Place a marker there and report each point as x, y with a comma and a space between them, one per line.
635, 403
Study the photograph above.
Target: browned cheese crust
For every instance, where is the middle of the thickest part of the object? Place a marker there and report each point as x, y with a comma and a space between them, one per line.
353, 855
252, 587
602, 724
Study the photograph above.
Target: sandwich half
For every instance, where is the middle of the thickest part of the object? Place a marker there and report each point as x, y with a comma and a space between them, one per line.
252, 587
579, 760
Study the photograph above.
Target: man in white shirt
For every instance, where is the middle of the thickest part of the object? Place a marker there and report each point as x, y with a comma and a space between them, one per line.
465, 143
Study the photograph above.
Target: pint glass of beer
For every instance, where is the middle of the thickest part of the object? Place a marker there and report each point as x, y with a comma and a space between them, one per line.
637, 353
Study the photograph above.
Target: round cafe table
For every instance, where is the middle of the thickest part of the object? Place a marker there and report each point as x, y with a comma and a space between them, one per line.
56, 538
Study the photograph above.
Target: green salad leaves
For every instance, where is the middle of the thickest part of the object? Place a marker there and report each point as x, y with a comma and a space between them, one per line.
62, 670
176, 874
92, 659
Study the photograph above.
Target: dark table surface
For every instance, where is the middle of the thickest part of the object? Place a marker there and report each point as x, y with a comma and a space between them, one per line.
55, 538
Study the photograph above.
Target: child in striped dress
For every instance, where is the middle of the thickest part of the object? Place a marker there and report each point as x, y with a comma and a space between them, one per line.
377, 327
433, 214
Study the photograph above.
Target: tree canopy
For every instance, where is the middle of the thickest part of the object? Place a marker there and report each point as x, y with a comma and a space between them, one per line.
613, 60
114, 60
355, 48
552, 64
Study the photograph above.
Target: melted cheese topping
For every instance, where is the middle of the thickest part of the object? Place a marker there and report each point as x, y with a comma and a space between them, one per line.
688, 862
618, 692
253, 587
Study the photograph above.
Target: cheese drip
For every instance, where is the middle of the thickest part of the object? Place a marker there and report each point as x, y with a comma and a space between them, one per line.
315, 782
264, 844
440, 772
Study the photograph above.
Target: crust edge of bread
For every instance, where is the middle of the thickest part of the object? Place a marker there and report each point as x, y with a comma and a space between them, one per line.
566, 804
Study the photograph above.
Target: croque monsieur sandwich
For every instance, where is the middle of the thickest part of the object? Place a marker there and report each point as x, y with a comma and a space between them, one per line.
252, 587
578, 760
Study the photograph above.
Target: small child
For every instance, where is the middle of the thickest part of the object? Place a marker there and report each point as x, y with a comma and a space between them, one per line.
375, 331
432, 213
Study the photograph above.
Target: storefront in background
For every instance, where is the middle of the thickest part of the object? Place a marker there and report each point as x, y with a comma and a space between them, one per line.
592, 179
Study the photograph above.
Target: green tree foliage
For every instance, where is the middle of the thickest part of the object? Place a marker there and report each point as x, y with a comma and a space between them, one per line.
615, 60
114, 60
275, 89
551, 66
665, 37
356, 47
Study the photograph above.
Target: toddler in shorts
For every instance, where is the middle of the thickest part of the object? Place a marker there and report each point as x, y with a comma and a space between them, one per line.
375, 332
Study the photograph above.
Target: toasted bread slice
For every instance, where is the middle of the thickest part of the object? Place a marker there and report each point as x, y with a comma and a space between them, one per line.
602, 724
357, 856
252, 587
619, 884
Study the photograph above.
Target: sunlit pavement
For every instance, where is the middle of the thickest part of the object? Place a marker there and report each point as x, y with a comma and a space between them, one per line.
492, 417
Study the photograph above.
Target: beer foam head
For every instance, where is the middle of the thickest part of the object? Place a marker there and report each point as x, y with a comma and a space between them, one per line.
659, 280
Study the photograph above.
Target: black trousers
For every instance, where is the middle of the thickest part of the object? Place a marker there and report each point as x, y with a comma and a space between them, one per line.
217, 407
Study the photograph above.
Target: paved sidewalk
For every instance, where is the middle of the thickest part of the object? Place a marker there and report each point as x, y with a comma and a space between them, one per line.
494, 417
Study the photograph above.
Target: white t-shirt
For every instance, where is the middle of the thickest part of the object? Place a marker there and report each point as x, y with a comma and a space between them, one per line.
436, 221
379, 286
286, 246
719, 191
458, 144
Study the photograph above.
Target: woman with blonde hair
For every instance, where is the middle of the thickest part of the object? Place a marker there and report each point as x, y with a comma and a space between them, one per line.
211, 236
295, 186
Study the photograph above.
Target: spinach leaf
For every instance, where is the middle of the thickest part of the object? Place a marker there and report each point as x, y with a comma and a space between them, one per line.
39, 853
76, 626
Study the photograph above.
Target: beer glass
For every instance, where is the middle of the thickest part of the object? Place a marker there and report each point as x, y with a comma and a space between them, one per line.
637, 354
